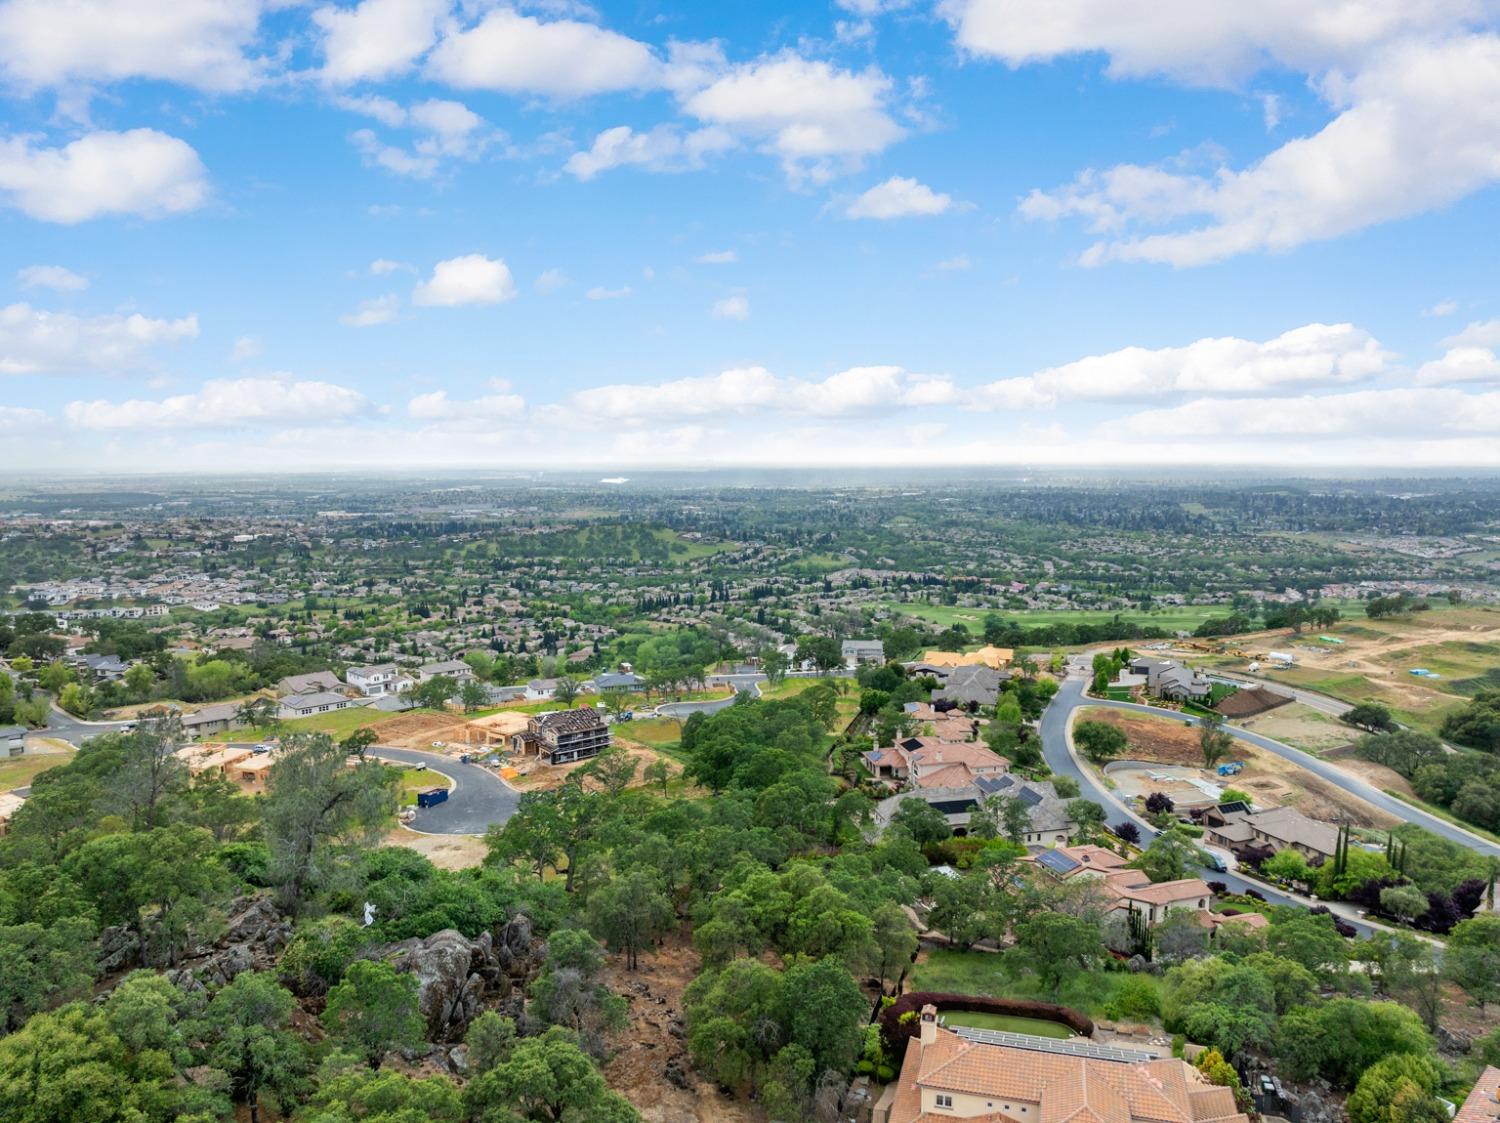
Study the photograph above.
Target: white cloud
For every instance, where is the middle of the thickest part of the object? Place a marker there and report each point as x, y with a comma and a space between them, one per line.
1460, 364
959, 263
718, 257
380, 310
1270, 111
746, 390
731, 308
200, 43
1318, 354
666, 148
870, 8
514, 53
551, 280
1363, 414
34, 341
377, 38
437, 406
1481, 333
599, 292
1441, 308
471, 279
1417, 127
383, 266
54, 277
226, 403
898, 197
447, 130
17, 417
140, 172
246, 347
816, 117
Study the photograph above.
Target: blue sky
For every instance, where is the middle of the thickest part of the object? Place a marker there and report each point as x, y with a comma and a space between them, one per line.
262, 233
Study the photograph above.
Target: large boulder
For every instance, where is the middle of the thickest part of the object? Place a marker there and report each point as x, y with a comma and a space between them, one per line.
454, 976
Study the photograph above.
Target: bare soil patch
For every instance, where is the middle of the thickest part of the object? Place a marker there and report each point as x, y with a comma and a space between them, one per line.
1302, 727
419, 731
641, 1052
532, 774
446, 851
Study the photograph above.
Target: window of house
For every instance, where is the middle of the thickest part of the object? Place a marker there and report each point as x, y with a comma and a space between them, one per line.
943, 1100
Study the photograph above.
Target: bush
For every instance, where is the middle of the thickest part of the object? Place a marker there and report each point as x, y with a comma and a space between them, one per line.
1137, 998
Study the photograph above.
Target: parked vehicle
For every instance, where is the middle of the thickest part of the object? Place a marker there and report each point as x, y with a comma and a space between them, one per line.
431, 797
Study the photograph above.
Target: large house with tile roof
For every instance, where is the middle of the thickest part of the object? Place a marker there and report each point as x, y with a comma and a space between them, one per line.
1483, 1102
1048, 822
966, 1074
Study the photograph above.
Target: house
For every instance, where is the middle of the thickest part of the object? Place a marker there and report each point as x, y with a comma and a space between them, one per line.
973, 684
563, 736
914, 759
12, 740
313, 682
610, 682
305, 705
373, 682
453, 668
211, 720
857, 651
105, 668
1169, 679
1482, 1105
1279, 828
946, 724
1002, 1077
540, 689
992, 657
1047, 816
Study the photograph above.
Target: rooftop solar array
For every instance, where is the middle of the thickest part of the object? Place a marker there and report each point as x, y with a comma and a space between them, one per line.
1086, 1049
1057, 861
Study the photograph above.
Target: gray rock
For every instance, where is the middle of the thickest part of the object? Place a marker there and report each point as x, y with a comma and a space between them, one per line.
453, 974
1136, 964
677, 1075
458, 1060
119, 949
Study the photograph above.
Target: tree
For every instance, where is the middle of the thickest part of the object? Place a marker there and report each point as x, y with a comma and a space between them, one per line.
823, 652
1087, 817
348, 1091
658, 772
248, 1030
566, 691
1172, 856
257, 712
1057, 946
1405, 750
435, 692
1286, 865
1404, 902
1373, 717
895, 941
374, 1010
924, 822
546, 1079
152, 772
1472, 959
139, 679
1213, 740
359, 741
43, 964
1391, 1091
1000, 816
822, 1008
614, 769
773, 662
472, 695
1342, 1037
630, 912
1099, 741
490, 1039
316, 808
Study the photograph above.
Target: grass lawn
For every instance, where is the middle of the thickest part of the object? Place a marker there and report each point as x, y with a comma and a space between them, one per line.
19, 771
1010, 1023
977, 972
339, 723
419, 780
657, 732
1175, 618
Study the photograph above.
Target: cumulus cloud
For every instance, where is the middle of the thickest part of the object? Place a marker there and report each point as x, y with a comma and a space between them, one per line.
246, 347
471, 279
1481, 333
438, 407
599, 292
898, 197
226, 403
380, 310
17, 417
551, 280
200, 43
514, 53
666, 148
1415, 89
818, 118
376, 39
35, 341
1441, 308
446, 131
731, 308
755, 389
718, 257
1317, 354
1460, 364
141, 172
55, 277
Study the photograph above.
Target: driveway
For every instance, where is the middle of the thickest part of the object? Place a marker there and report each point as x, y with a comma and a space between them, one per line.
65, 727
477, 799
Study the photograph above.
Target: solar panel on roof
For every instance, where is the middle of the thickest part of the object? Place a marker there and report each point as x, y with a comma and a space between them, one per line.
954, 806
1029, 797
1052, 1045
1057, 861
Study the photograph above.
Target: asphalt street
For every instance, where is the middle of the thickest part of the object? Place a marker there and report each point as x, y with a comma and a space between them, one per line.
477, 798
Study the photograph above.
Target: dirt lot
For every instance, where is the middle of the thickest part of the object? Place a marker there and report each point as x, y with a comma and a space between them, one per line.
419, 731
532, 774
1270, 780
1302, 727
448, 852
642, 1050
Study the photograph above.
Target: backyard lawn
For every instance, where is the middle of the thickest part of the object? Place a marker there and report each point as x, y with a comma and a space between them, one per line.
338, 723
984, 973
1010, 1023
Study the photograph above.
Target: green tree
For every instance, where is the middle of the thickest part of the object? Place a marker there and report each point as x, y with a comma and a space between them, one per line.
374, 1010
257, 712
566, 691
630, 912
435, 692
1099, 741
546, 1079
248, 1032
358, 742
1372, 717
42, 965
1214, 741
614, 769
1342, 1037
922, 821
490, 1039
658, 772
472, 695
1391, 1091
1404, 902
1472, 959
1171, 856
1057, 946
347, 1091
823, 1011
139, 679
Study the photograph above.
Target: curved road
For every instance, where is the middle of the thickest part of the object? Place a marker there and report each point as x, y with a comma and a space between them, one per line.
477, 798
741, 684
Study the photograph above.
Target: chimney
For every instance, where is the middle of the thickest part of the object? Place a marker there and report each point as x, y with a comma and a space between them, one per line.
929, 1024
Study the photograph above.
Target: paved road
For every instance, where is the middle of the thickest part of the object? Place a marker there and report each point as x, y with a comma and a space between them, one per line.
477, 799
741, 683
65, 727
1331, 706
1054, 727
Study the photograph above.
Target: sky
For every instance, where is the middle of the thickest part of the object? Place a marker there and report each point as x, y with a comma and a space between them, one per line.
285, 236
